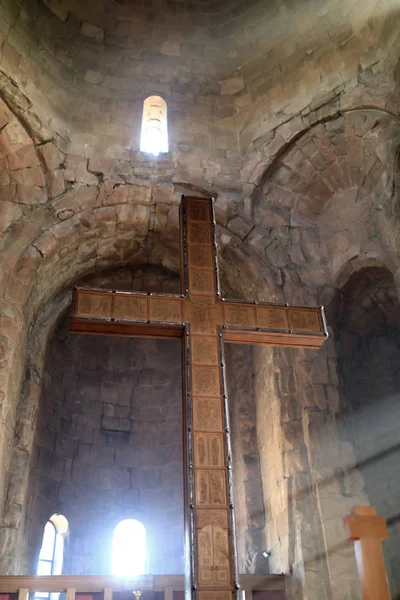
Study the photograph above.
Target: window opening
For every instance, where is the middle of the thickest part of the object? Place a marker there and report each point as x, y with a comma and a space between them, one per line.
46, 556
129, 548
154, 135
52, 550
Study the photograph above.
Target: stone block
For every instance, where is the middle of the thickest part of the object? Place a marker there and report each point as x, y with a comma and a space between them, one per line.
92, 31
23, 158
55, 183
5, 115
239, 227
58, 9
16, 135
93, 77
31, 194
30, 177
231, 86
116, 424
51, 156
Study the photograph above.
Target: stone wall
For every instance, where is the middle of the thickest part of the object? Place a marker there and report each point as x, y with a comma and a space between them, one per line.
368, 347
311, 202
249, 495
109, 444
86, 70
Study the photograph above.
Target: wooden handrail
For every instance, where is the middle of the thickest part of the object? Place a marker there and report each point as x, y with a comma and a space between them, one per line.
368, 530
107, 585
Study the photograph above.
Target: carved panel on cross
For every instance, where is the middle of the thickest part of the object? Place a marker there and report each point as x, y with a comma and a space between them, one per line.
272, 317
207, 414
206, 381
94, 305
198, 210
208, 449
200, 256
201, 281
203, 314
163, 309
199, 233
213, 547
210, 487
132, 308
239, 315
305, 320
204, 350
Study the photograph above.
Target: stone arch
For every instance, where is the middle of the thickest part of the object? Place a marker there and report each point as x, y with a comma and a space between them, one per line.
18, 530
347, 149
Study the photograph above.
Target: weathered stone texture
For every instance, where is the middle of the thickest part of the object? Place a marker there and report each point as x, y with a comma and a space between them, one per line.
267, 112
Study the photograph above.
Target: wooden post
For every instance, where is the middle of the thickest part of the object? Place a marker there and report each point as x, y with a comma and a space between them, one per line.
368, 530
71, 593
23, 594
108, 593
168, 593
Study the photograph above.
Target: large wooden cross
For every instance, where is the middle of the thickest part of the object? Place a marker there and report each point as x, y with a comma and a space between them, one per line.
204, 321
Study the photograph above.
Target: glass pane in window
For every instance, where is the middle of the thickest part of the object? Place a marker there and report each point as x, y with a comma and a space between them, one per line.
47, 550
129, 548
44, 568
154, 134
153, 140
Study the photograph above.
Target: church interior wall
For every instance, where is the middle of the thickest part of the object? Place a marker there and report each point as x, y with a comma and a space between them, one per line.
305, 178
60, 470
107, 449
366, 340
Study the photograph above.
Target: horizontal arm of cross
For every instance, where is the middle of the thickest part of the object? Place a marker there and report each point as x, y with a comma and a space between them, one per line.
164, 316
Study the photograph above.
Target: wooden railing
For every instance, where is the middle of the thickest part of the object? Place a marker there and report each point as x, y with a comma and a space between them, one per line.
166, 584
368, 530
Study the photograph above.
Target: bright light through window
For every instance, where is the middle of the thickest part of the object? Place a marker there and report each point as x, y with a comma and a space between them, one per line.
46, 555
154, 135
128, 548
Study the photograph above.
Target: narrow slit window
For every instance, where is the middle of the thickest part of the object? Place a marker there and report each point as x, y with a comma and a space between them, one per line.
52, 550
129, 548
154, 135
46, 556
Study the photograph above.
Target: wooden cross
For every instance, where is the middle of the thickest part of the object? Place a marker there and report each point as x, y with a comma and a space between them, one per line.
204, 321
368, 530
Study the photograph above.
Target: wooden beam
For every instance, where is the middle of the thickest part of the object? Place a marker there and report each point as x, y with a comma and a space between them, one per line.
81, 583
139, 330
273, 338
11, 584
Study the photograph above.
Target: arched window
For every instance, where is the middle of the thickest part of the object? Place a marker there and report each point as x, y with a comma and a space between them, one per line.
52, 550
154, 135
46, 556
129, 548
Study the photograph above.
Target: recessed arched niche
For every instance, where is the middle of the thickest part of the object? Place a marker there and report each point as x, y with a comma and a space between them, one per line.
368, 348
109, 447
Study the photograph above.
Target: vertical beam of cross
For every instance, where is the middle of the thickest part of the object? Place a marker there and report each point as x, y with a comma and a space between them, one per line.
213, 572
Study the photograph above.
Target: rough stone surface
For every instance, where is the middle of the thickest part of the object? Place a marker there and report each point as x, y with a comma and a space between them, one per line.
288, 116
